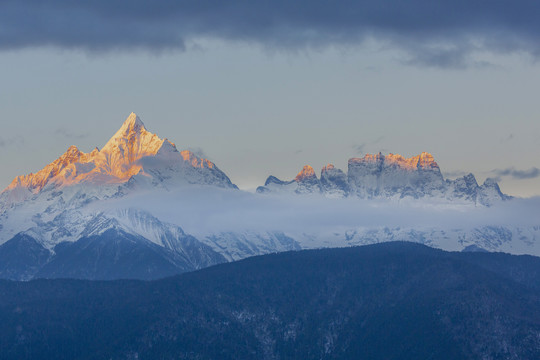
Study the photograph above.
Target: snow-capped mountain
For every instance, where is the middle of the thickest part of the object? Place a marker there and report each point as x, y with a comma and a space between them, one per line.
139, 208
305, 182
133, 155
133, 160
334, 182
389, 177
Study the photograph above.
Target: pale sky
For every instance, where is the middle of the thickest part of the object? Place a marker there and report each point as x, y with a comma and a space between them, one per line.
257, 109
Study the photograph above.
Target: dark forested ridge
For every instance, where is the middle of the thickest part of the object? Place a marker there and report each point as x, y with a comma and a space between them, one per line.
385, 301
113, 254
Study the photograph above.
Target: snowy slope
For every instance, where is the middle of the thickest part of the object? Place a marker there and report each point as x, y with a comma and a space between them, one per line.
132, 161
139, 195
388, 177
132, 154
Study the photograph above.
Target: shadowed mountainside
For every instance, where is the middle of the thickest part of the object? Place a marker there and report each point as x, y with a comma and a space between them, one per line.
384, 301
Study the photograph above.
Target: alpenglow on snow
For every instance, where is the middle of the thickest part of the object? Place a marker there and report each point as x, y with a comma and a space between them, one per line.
140, 208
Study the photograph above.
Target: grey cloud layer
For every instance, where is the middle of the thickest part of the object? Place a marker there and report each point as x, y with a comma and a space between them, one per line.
518, 174
439, 33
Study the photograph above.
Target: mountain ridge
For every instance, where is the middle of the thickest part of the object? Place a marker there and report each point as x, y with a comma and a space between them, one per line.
387, 176
133, 154
318, 304
141, 188
126, 154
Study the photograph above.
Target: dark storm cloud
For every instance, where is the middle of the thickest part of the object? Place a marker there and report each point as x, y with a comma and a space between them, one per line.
518, 174
433, 33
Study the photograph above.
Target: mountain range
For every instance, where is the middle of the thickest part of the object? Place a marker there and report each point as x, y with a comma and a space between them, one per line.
387, 177
121, 211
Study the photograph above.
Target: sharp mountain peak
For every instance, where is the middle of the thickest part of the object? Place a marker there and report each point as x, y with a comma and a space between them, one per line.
123, 156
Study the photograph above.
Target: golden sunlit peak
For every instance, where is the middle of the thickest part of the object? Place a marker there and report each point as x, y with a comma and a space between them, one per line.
423, 161
119, 160
72, 149
195, 161
133, 121
306, 172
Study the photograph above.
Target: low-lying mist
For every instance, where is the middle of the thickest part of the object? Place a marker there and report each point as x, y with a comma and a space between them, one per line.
201, 210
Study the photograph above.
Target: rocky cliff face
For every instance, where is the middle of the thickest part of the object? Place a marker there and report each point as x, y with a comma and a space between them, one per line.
385, 176
389, 177
334, 182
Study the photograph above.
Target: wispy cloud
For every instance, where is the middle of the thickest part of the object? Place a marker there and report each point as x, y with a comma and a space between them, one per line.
213, 210
531, 173
198, 152
69, 134
507, 138
455, 173
11, 141
360, 148
431, 33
